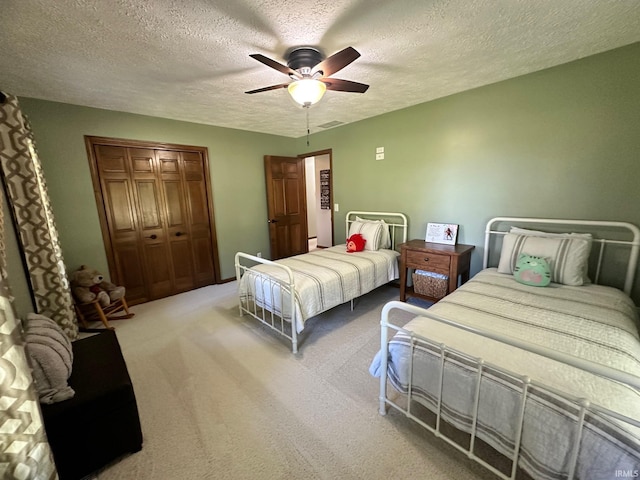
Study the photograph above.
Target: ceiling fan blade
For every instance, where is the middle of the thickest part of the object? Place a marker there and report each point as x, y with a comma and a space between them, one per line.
344, 85
272, 87
275, 65
336, 62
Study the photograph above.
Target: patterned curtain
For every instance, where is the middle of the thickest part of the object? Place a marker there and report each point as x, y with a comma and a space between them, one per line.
27, 192
24, 451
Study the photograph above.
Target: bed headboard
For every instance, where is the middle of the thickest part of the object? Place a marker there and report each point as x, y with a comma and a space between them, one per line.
615, 245
397, 224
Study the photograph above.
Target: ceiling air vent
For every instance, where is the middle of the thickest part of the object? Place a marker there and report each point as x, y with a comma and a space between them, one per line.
333, 123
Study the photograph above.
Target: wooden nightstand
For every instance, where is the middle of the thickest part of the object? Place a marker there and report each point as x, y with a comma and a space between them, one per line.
451, 260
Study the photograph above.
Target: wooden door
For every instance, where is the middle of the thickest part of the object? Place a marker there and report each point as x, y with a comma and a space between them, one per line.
194, 178
152, 234
178, 238
286, 204
122, 220
158, 219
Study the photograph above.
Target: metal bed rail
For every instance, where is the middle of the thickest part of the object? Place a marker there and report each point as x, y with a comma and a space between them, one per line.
393, 225
270, 305
583, 404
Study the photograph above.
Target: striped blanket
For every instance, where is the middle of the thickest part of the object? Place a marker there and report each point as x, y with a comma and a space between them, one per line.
323, 279
592, 322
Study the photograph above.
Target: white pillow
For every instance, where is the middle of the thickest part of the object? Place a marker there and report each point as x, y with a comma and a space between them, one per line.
386, 237
537, 233
568, 255
372, 232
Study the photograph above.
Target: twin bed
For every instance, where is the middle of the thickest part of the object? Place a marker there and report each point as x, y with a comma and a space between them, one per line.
529, 381
285, 293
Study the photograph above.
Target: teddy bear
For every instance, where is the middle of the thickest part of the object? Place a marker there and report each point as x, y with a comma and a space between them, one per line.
355, 243
88, 285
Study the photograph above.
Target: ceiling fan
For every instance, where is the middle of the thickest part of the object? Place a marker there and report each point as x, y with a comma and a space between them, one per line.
310, 74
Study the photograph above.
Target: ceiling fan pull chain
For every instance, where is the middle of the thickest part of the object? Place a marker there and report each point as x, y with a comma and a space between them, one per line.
307, 109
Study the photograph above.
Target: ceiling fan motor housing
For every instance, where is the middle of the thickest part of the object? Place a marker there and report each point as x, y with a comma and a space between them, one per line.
306, 64
304, 57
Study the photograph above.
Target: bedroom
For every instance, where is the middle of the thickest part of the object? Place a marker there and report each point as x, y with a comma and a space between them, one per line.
561, 142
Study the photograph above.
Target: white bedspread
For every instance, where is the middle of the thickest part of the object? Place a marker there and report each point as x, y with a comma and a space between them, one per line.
323, 279
592, 322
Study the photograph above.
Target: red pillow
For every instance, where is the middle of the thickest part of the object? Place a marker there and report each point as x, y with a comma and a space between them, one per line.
355, 243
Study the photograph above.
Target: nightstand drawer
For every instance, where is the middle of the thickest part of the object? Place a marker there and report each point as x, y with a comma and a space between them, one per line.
428, 261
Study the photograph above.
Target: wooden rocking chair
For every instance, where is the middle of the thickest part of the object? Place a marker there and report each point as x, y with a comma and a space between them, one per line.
92, 311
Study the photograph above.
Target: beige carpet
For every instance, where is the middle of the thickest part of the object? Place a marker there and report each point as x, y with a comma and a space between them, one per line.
222, 397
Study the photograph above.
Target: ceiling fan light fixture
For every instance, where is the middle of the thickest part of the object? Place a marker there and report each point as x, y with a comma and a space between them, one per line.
307, 91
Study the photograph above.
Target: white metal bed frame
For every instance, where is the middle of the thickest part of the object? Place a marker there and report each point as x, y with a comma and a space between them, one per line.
583, 404
397, 222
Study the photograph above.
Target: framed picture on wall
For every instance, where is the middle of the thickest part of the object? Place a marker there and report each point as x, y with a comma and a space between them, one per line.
446, 233
325, 193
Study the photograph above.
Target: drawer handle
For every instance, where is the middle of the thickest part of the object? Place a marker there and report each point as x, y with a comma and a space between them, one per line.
426, 259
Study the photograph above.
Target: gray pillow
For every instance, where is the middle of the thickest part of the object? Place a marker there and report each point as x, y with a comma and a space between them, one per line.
51, 358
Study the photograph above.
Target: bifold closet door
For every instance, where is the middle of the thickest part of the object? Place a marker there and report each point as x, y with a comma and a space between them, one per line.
196, 196
122, 217
159, 221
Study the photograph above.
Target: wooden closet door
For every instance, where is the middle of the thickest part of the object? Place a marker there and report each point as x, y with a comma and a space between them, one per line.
122, 219
198, 216
156, 214
178, 228
152, 222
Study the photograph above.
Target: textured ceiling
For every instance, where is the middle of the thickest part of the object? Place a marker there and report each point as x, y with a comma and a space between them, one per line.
189, 60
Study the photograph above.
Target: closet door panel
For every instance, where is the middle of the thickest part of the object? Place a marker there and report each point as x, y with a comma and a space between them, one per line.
182, 270
129, 270
198, 211
203, 261
154, 239
149, 207
178, 231
158, 268
111, 160
122, 216
122, 220
175, 203
152, 225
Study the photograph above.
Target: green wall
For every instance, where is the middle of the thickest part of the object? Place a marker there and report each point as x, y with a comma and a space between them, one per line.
563, 142
235, 160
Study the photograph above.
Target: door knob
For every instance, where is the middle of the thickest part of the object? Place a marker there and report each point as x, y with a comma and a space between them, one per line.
272, 221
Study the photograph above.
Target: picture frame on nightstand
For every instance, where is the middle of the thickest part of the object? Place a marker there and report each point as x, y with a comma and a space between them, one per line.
445, 233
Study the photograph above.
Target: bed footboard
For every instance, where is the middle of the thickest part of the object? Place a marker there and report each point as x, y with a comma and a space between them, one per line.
410, 399
266, 298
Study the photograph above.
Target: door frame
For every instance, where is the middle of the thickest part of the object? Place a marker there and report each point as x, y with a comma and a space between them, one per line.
317, 153
90, 141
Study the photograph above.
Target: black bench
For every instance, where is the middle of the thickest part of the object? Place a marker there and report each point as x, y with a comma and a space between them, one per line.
100, 423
